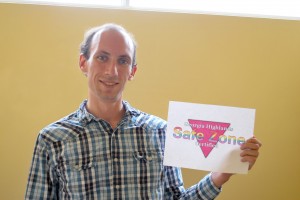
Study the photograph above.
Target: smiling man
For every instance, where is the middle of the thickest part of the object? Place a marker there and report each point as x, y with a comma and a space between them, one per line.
108, 63
107, 149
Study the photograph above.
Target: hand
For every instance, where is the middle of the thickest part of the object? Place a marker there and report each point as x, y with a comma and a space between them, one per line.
250, 151
219, 178
249, 154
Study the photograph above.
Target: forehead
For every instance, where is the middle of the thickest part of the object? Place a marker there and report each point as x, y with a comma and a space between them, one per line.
113, 41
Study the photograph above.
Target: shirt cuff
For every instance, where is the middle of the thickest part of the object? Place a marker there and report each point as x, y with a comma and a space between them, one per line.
207, 189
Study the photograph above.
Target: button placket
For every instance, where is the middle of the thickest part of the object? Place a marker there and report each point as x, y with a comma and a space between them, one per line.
115, 164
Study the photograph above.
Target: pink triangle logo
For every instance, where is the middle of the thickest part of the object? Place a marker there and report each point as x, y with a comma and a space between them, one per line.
208, 133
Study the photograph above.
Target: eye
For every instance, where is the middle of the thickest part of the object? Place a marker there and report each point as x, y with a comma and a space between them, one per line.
102, 58
124, 61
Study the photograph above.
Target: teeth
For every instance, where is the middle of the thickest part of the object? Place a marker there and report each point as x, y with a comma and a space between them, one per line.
109, 83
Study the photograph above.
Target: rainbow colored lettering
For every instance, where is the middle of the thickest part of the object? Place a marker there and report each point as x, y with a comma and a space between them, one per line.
207, 134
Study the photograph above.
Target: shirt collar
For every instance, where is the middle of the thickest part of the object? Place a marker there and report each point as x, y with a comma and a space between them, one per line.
85, 117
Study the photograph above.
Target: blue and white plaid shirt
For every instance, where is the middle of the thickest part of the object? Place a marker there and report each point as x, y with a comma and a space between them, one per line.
82, 157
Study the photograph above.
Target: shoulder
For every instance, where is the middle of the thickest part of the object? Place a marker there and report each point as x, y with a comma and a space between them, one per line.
152, 120
149, 121
63, 129
143, 119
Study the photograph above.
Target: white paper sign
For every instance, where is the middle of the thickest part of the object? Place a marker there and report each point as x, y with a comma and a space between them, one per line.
207, 137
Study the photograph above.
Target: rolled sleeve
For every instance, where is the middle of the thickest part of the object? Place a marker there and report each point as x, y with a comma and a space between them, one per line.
206, 189
203, 190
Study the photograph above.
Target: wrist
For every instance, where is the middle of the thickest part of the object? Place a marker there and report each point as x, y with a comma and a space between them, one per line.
220, 178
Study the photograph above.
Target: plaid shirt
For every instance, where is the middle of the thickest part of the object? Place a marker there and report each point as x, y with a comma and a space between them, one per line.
82, 157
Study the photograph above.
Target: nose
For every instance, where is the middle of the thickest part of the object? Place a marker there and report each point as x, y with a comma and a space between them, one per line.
111, 69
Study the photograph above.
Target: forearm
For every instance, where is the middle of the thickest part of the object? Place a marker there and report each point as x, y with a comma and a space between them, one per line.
220, 178
174, 189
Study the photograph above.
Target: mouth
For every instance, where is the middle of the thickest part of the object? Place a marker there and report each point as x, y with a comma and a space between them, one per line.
108, 83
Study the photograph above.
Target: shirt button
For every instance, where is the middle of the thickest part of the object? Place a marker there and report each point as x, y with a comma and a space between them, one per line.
117, 186
116, 159
149, 158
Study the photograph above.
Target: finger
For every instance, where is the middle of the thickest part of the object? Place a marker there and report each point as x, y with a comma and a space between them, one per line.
248, 152
255, 141
251, 160
250, 146
251, 143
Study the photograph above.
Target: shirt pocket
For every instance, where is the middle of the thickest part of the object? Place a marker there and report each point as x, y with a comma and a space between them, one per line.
78, 173
78, 166
81, 164
149, 157
146, 168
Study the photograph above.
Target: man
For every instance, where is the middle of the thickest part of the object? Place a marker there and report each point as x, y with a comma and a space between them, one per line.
107, 149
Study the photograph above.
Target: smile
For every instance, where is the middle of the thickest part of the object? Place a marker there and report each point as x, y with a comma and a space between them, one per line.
108, 83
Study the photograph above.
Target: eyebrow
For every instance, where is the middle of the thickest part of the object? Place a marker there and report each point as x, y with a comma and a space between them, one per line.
104, 52
121, 56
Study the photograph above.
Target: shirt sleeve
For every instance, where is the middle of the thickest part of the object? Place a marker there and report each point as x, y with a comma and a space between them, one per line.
174, 189
40, 183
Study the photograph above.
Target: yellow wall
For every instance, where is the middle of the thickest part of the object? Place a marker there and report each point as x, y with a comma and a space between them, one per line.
244, 62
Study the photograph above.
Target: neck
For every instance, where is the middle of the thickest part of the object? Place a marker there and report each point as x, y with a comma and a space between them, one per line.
111, 112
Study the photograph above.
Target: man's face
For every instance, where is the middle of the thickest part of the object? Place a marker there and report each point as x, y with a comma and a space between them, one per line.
109, 66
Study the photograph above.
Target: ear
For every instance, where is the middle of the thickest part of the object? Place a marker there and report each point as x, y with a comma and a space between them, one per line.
133, 70
83, 64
